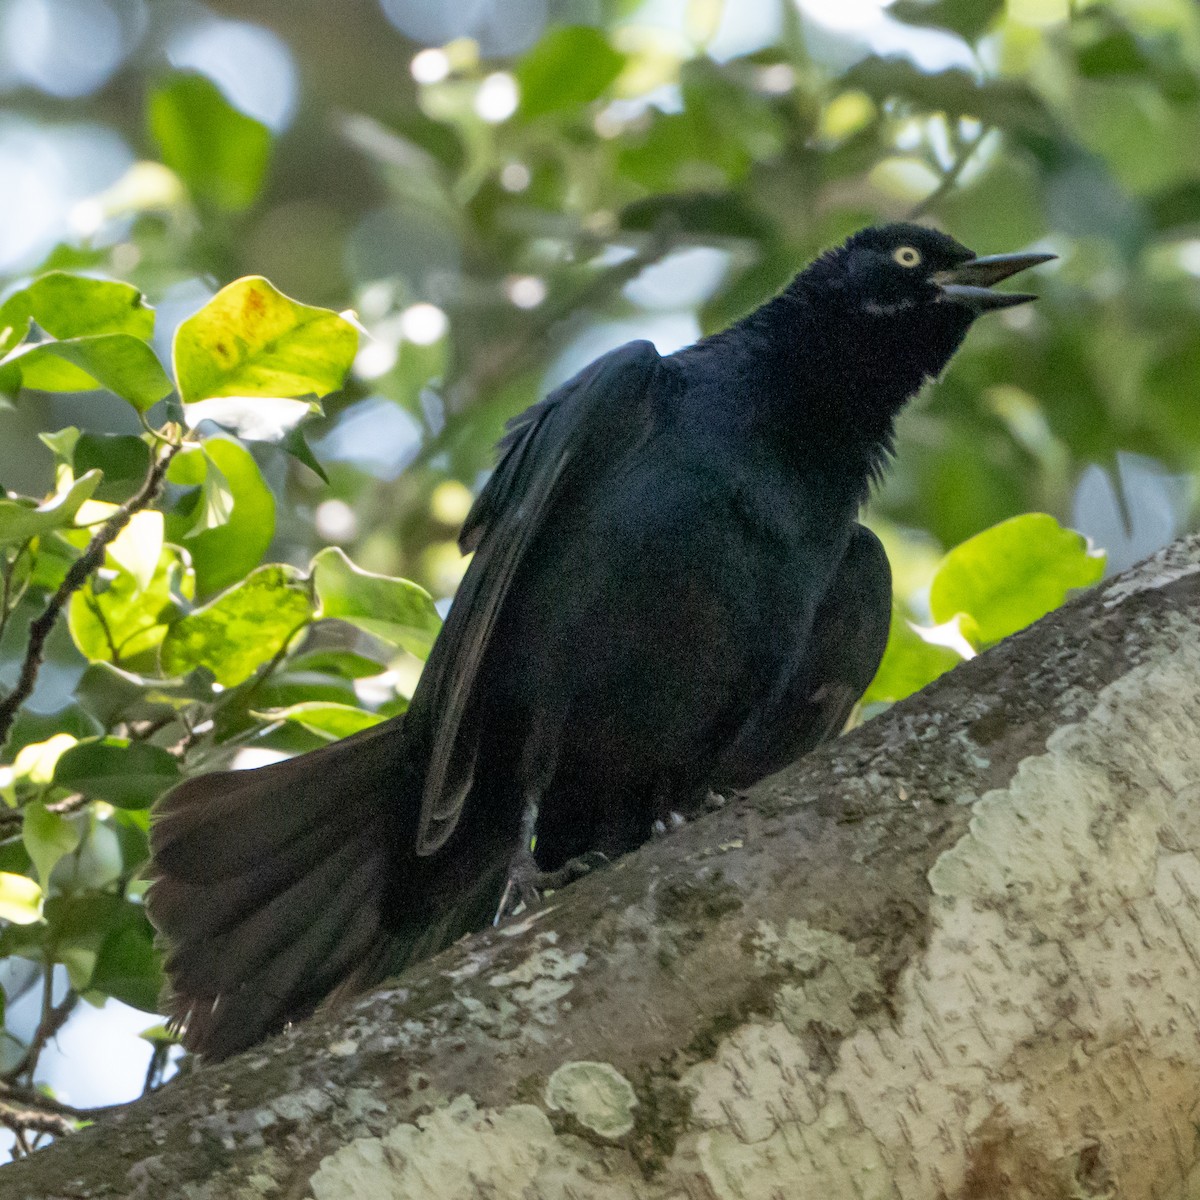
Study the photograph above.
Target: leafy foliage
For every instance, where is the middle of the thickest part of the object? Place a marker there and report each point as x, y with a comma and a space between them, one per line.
637, 185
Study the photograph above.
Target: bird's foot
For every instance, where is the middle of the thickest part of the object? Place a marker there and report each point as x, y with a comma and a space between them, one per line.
662, 827
528, 883
714, 800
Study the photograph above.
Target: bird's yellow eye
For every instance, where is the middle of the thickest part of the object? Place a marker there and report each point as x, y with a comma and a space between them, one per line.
907, 256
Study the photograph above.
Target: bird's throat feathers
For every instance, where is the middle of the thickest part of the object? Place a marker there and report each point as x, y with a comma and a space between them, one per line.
832, 374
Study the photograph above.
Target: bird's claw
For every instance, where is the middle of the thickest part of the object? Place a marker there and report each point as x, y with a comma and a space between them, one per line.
527, 883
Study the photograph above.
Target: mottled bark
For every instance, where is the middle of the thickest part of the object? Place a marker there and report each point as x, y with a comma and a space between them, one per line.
956, 954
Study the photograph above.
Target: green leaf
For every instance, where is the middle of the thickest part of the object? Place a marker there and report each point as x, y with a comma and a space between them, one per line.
124, 459
323, 718
14, 321
118, 361
219, 152
909, 663
138, 547
1009, 103
35, 762
76, 306
968, 18
20, 899
296, 445
1011, 574
396, 610
127, 774
127, 966
216, 500
228, 552
252, 340
20, 522
62, 445
111, 694
48, 836
97, 863
568, 67
241, 629
114, 619
344, 663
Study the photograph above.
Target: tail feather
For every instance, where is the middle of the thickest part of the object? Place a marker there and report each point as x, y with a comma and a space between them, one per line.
184, 899
278, 889
288, 986
191, 834
347, 879
268, 887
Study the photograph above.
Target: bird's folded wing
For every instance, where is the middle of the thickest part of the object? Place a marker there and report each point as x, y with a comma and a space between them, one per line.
599, 414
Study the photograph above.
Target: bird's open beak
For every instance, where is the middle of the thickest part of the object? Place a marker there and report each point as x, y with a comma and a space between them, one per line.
968, 283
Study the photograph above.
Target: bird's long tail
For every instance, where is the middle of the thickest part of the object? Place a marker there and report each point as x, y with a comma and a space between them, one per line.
270, 887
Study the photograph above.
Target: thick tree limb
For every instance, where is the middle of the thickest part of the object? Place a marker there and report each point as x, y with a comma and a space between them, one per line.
957, 954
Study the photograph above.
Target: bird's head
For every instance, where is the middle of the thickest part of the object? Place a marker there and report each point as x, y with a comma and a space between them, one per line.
904, 295
889, 270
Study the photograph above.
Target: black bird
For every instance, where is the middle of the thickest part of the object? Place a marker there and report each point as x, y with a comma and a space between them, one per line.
670, 591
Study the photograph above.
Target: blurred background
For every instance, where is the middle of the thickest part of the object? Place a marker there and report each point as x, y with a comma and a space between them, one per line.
503, 189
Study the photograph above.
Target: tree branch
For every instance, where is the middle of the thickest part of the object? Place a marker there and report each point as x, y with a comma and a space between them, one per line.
42, 625
952, 955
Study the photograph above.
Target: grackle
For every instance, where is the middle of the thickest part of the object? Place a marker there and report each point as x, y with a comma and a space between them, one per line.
670, 592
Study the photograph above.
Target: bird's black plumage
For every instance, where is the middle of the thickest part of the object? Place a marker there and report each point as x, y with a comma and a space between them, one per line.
670, 591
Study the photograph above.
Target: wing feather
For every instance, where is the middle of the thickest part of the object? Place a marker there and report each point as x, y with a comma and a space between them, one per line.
600, 412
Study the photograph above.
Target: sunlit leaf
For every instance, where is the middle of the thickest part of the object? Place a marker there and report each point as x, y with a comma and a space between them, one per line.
62, 445
216, 500
137, 548
35, 762
1013, 573
396, 610
118, 361
126, 774
909, 663
114, 619
251, 340
255, 418
75, 306
243, 628
226, 552
219, 152
20, 899
19, 522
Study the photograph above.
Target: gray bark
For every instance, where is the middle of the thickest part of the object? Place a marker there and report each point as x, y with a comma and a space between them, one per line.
954, 955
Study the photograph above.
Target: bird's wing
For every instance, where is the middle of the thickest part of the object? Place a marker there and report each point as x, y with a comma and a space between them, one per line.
593, 418
848, 637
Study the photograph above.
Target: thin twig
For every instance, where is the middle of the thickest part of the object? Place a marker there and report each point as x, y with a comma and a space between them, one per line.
950, 179
521, 353
41, 626
54, 1017
10, 600
21, 1120
12, 819
15, 1095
